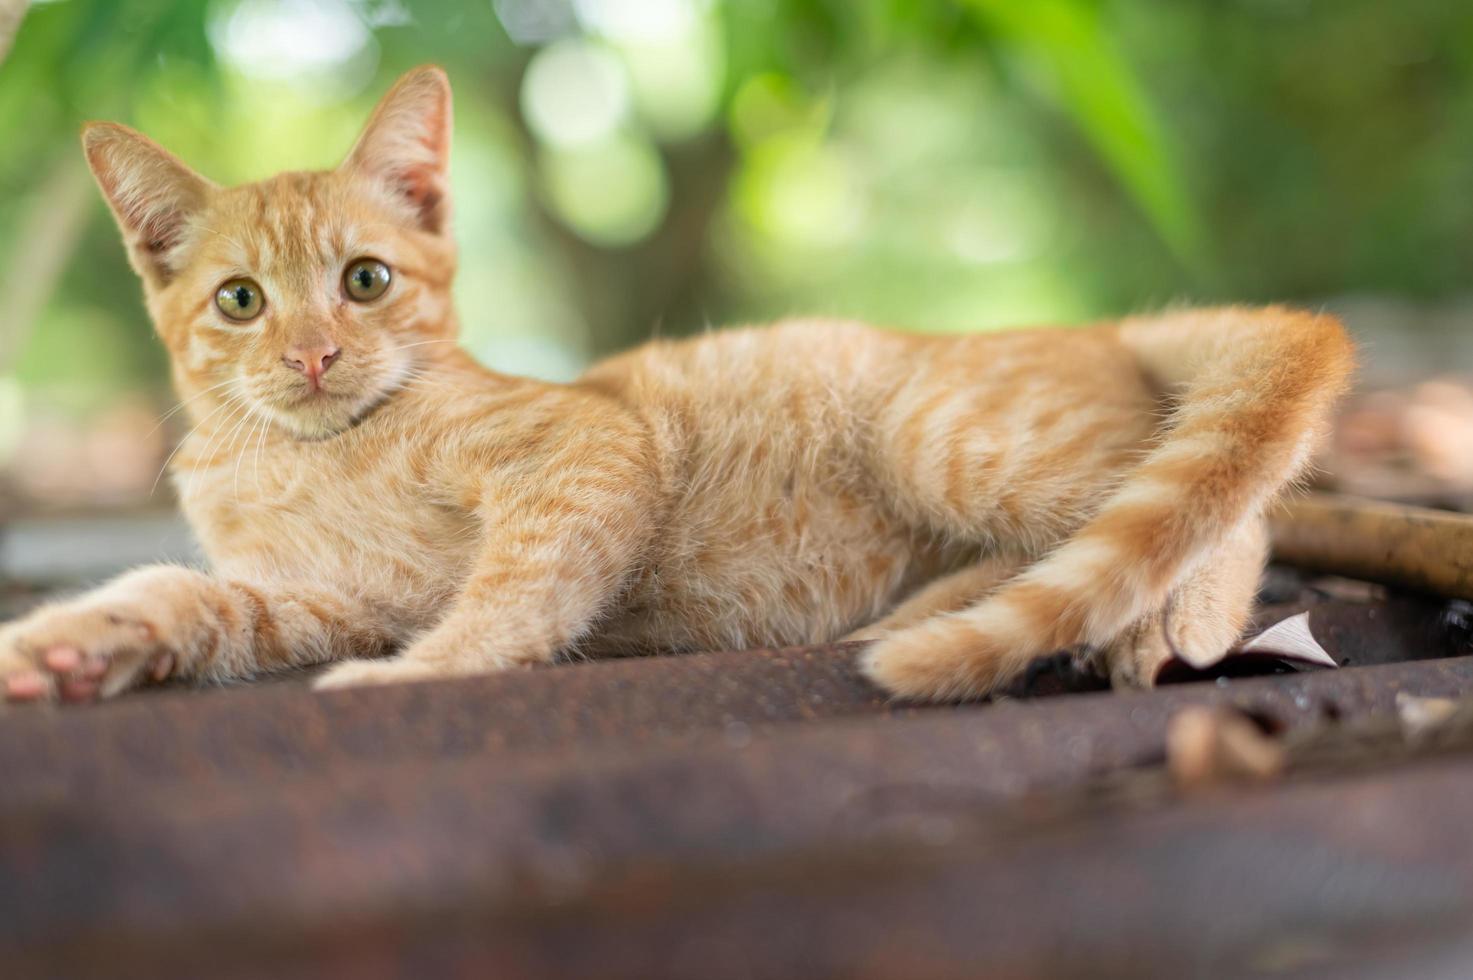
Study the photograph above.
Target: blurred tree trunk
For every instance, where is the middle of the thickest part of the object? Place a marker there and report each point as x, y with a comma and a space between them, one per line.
46, 236
11, 12
661, 284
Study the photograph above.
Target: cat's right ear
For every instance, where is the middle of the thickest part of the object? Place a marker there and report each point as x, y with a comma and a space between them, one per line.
151, 193
406, 146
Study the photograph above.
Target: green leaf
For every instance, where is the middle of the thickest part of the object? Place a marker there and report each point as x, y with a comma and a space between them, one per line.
1067, 42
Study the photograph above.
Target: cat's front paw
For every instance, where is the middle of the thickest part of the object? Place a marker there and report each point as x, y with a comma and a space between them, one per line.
371, 673
433, 658
78, 652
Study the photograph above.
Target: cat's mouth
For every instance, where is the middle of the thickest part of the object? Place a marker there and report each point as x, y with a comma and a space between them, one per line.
335, 404
312, 416
320, 395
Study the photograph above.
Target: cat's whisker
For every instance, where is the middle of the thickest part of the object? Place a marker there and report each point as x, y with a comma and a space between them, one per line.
188, 401
242, 406
250, 434
410, 380
256, 453
220, 234
208, 449
422, 343
182, 441
246, 416
223, 452
265, 430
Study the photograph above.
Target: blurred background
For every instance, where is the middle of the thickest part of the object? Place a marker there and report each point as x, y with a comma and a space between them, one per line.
625, 168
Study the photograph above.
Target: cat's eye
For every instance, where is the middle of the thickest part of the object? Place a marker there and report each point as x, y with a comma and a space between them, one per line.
240, 299
366, 280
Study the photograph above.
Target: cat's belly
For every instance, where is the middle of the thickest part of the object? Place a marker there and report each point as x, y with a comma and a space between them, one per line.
797, 570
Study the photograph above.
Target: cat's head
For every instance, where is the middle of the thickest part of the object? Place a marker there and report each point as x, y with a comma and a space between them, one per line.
311, 297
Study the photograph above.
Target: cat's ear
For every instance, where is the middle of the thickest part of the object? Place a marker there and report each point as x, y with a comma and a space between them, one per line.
406, 145
151, 193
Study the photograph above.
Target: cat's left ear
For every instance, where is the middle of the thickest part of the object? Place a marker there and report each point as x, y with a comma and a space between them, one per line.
406, 145
152, 194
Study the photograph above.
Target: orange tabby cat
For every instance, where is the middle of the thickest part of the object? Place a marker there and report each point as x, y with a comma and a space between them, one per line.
363, 488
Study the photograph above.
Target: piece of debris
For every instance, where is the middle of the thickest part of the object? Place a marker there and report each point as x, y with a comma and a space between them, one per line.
1288, 643
1421, 717
1207, 746
1289, 639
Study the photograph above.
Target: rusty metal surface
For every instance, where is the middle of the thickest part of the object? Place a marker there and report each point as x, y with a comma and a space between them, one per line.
1325, 878
743, 814
217, 843
1394, 629
200, 739
280, 730
1342, 880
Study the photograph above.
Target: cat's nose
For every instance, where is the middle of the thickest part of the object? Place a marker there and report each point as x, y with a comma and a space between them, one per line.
311, 361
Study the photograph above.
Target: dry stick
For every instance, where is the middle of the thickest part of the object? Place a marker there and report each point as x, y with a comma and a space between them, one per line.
1413, 547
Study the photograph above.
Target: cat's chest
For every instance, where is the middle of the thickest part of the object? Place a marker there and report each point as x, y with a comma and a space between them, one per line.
354, 524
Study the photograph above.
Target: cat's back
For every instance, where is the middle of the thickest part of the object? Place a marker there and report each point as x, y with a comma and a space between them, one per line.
742, 362
796, 380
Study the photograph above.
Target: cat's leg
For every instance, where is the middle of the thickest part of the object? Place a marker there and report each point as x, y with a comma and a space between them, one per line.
552, 563
512, 613
1249, 395
165, 621
946, 594
1203, 617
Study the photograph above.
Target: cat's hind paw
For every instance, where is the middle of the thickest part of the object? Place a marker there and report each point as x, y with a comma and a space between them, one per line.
939, 660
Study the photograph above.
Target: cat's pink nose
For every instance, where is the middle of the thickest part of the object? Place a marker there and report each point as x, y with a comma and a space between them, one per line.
311, 361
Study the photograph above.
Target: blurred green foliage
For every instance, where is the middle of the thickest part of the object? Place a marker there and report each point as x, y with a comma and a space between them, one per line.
626, 167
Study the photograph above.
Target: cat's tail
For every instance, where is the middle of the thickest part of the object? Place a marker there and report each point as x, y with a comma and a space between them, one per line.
1252, 392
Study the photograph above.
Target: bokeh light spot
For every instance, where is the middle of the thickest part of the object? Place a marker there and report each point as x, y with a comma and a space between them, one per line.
611, 193
575, 92
320, 46
640, 21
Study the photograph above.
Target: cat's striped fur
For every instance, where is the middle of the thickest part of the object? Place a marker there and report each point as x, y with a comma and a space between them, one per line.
967, 503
